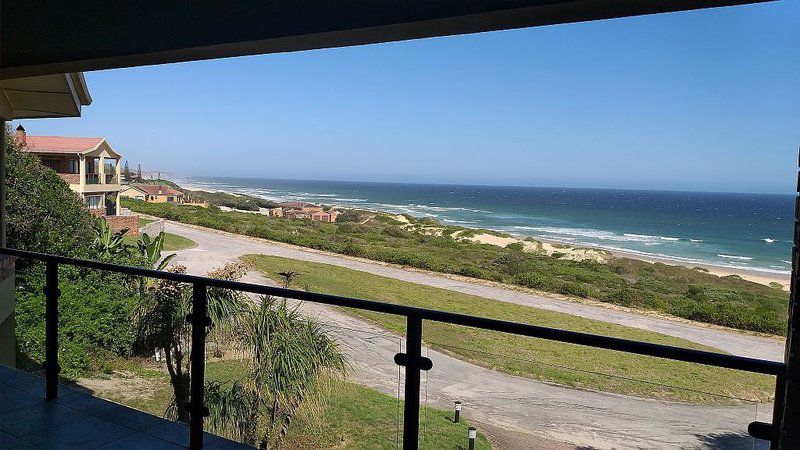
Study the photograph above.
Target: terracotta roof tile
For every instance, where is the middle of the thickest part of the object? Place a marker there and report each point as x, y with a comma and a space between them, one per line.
153, 189
60, 144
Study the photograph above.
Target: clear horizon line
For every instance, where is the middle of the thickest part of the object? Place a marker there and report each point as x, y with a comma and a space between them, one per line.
596, 188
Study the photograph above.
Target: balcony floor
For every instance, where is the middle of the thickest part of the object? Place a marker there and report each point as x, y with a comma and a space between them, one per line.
77, 420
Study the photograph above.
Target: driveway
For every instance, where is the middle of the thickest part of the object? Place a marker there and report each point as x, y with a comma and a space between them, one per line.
555, 413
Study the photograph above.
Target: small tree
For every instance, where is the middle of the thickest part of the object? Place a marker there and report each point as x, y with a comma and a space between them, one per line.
126, 175
291, 359
139, 173
288, 276
161, 324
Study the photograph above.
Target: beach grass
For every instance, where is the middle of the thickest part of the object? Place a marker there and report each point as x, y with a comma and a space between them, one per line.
677, 290
564, 364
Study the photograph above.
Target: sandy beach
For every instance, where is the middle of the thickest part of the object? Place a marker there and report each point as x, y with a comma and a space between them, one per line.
602, 255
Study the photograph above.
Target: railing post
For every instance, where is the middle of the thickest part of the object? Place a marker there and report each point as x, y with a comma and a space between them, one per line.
199, 320
786, 420
413, 362
51, 368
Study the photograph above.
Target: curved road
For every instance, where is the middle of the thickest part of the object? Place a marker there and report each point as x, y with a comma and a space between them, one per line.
552, 412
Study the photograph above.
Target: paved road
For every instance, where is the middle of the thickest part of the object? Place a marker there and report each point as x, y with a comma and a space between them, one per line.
551, 412
215, 245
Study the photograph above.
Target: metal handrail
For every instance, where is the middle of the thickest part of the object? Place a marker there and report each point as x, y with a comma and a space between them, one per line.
413, 361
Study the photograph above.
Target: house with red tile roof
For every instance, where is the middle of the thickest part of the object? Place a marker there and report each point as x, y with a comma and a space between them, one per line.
88, 164
153, 193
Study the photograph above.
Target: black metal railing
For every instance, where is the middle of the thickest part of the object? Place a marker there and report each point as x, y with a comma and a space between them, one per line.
412, 360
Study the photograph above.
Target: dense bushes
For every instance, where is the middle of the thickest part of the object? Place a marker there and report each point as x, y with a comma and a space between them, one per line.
677, 290
44, 215
94, 321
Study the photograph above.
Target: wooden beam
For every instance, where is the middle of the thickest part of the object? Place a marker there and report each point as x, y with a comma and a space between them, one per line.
41, 37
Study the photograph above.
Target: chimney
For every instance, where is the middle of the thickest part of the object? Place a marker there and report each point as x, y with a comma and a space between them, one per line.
21, 135
159, 190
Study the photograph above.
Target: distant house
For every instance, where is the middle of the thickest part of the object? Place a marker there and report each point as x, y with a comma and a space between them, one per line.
324, 216
191, 202
153, 193
89, 165
275, 212
301, 206
295, 214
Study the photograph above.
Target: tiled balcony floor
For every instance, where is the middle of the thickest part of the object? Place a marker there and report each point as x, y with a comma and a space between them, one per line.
77, 420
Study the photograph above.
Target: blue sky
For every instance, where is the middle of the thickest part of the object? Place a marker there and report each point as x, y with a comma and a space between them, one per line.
704, 100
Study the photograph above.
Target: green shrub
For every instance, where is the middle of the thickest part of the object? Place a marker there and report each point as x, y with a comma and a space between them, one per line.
515, 246
576, 289
349, 216
532, 280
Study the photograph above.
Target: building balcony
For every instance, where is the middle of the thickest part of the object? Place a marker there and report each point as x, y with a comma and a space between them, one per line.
76, 419
92, 178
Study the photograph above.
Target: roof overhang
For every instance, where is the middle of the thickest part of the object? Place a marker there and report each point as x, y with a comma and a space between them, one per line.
103, 148
40, 37
57, 95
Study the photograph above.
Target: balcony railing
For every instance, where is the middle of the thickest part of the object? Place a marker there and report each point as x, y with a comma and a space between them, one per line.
92, 178
412, 359
111, 179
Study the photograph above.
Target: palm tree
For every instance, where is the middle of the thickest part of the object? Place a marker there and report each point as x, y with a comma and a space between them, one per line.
288, 276
160, 323
291, 360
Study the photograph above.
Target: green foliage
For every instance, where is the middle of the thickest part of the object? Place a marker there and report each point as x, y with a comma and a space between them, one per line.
150, 249
160, 324
515, 246
43, 214
94, 318
350, 215
291, 358
108, 243
729, 301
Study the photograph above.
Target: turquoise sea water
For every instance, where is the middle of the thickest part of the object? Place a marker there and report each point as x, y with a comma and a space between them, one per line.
748, 231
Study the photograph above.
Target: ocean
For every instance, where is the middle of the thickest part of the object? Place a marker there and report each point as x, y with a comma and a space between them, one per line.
744, 231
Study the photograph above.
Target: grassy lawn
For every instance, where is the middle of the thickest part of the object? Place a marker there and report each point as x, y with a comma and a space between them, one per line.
351, 416
672, 289
172, 242
534, 358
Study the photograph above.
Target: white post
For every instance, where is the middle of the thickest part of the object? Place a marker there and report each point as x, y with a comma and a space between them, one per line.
82, 173
102, 169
